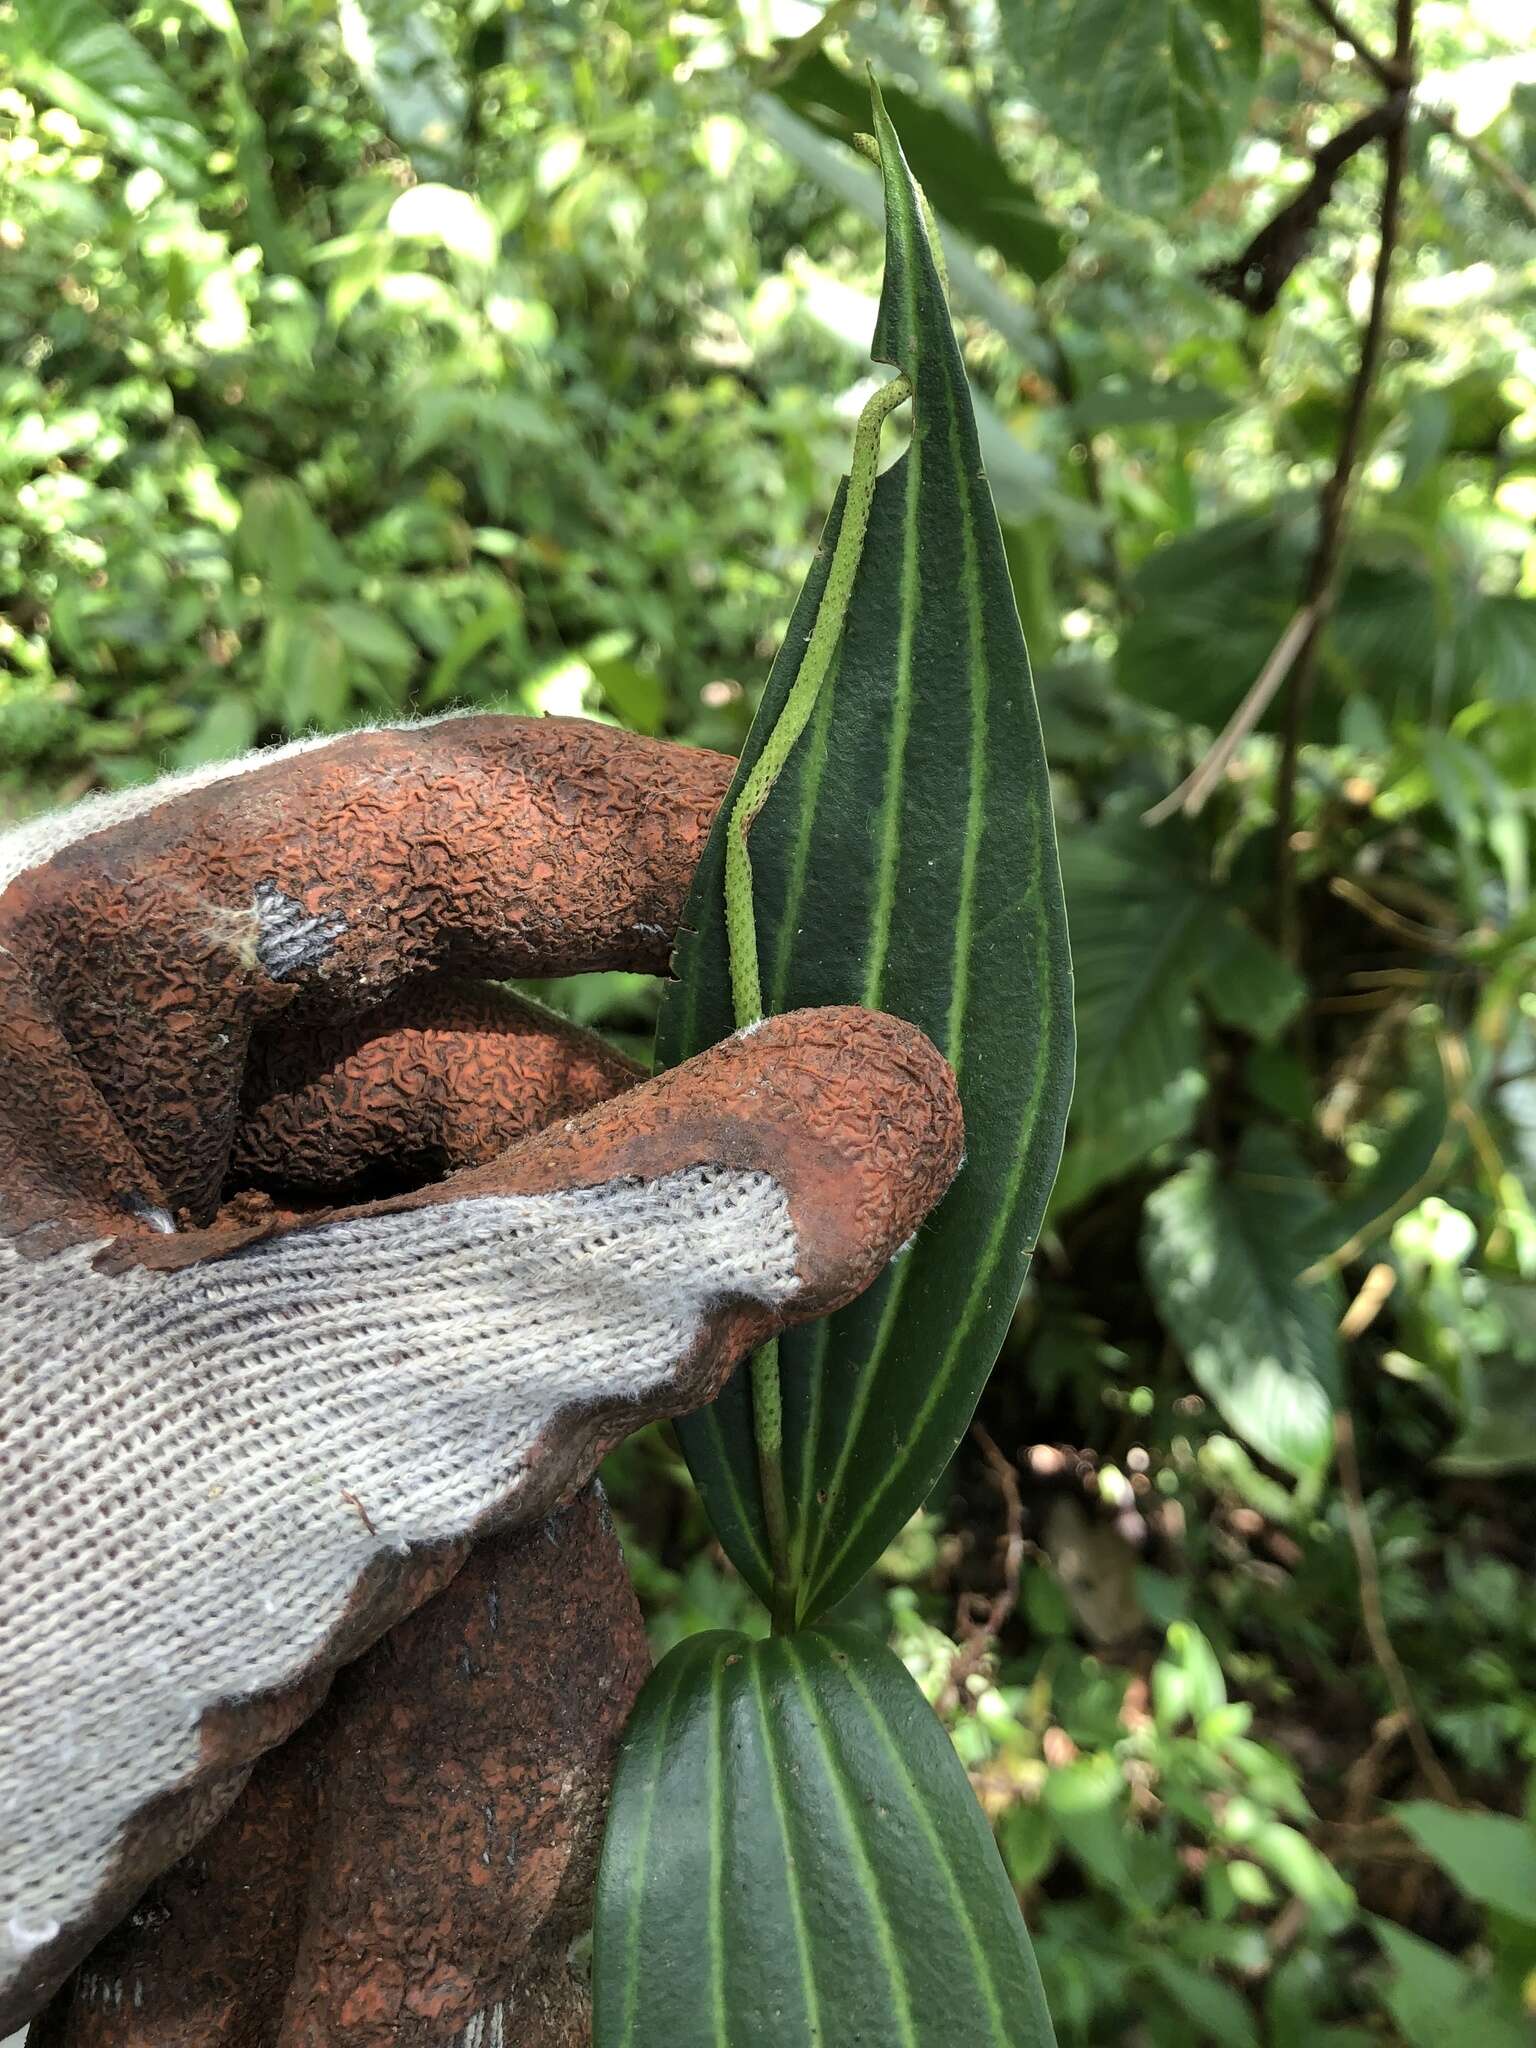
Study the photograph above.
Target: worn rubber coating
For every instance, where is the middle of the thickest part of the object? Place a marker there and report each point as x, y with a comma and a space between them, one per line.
486, 847
443, 1074
265, 984
422, 1851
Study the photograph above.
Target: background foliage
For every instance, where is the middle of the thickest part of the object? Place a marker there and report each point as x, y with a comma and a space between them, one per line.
361, 358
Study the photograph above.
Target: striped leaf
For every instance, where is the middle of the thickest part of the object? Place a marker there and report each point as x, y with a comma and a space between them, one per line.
794, 1859
906, 860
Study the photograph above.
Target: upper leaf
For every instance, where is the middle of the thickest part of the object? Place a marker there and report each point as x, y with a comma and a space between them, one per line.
1152, 91
794, 1859
906, 860
967, 182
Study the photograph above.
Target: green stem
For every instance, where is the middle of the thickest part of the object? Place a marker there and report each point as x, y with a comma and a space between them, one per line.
741, 924
740, 927
768, 1435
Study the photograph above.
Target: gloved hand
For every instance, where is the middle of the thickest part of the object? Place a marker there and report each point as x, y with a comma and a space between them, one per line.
243, 1434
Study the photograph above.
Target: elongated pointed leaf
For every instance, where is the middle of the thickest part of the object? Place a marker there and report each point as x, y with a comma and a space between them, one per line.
906, 860
794, 1859
74, 53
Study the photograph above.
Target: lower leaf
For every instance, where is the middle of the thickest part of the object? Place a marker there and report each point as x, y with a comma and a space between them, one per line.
795, 1859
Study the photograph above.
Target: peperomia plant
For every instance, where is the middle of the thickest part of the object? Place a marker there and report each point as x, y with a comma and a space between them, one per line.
794, 1856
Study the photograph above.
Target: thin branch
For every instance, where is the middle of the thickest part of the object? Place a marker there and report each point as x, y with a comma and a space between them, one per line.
1375, 1292
1373, 1613
1192, 792
1394, 74
980, 1631
1323, 569
1408, 929
1256, 277
1487, 160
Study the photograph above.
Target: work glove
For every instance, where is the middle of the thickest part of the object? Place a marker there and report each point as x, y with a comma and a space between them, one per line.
244, 1433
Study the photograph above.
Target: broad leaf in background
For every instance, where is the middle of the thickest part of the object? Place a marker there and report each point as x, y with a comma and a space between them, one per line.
795, 1859
1223, 1257
74, 53
1149, 934
856, 184
905, 860
1491, 1856
1152, 91
1210, 606
967, 182
1437, 2002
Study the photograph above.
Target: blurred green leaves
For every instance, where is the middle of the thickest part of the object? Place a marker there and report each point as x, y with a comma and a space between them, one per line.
1150, 937
75, 53
1152, 91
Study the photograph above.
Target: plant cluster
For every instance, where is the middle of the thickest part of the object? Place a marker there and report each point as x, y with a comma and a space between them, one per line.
363, 359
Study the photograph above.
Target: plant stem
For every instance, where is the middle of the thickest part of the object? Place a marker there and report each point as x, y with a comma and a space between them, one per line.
1392, 75
816, 663
1373, 1613
741, 923
1323, 569
768, 1437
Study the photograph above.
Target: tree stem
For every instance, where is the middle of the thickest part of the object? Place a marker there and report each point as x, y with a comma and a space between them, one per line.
1323, 568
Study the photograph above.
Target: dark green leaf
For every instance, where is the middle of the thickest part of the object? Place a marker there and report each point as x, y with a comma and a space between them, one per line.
1211, 605
1245, 982
1223, 1261
74, 53
1503, 648
411, 76
906, 860
794, 1859
1148, 932
1152, 91
1209, 608
966, 181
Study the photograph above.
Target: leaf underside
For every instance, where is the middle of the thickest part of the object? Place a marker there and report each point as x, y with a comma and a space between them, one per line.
906, 860
795, 1859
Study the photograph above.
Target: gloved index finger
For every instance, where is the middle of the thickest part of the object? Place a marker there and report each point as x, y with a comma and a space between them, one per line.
488, 845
